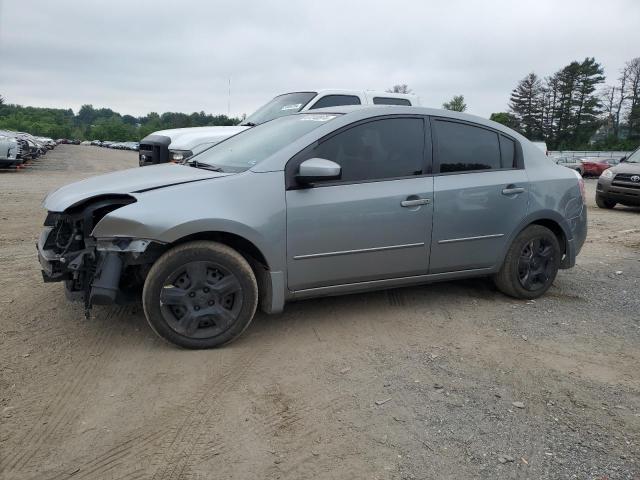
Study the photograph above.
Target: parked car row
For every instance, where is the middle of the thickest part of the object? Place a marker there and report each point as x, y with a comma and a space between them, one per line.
117, 145
16, 148
587, 166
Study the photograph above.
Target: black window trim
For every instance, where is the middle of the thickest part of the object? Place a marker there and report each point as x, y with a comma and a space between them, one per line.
318, 98
292, 165
519, 162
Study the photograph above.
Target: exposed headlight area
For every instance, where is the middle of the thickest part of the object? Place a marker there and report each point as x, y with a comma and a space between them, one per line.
179, 156
90, 268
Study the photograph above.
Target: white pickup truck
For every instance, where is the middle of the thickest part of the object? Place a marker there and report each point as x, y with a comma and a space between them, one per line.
178, 144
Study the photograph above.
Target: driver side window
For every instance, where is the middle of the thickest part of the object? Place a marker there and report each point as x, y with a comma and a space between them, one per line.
386, 148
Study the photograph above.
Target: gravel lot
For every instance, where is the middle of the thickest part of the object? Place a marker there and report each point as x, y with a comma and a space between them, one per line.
452, 380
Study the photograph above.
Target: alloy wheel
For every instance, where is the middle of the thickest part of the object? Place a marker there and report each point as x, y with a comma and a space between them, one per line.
536, 264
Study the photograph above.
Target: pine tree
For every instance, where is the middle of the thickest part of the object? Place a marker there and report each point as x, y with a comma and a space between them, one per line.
571, 104
586, 103
456, 104
526, 103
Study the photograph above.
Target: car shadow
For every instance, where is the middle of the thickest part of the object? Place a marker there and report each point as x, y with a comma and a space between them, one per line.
133, 329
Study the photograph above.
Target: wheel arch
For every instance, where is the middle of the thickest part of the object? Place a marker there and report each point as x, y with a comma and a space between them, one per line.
270, 294
549, 219
556, 229
242, 245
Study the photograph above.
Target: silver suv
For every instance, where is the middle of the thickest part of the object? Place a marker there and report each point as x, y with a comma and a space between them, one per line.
313, 204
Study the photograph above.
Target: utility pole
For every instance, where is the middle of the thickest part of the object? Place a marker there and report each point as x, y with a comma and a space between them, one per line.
229, 100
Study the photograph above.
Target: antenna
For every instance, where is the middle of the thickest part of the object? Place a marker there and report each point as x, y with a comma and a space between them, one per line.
229, 100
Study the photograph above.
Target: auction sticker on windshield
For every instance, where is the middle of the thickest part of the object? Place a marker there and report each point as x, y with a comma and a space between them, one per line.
294, 106
317, 118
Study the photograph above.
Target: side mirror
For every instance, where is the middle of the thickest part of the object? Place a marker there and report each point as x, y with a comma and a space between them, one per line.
623, 159
317, 169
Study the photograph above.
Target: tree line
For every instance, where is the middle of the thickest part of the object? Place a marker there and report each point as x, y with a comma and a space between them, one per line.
574, 109
99, 123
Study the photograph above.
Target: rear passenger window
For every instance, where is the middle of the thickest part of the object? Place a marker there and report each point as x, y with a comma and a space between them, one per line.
463, 147
335, 101
390, 101
507, 152
388, 148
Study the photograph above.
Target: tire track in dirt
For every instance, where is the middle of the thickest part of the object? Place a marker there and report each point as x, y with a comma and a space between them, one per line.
188, 441
296, 429
187, 437
134, 448
63, 408
166, 451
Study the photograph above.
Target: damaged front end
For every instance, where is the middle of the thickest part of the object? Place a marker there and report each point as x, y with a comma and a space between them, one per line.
95, 271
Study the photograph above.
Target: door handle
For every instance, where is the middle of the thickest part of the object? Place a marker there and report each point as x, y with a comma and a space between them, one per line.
414, 202
512, 190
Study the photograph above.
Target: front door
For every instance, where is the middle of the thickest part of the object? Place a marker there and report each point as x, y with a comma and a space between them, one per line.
374, 223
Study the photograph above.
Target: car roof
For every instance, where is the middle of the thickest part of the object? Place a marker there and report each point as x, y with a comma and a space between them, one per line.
366, 111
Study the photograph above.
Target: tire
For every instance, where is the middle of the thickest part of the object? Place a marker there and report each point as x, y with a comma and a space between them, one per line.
542, 269
604, 203
209, 295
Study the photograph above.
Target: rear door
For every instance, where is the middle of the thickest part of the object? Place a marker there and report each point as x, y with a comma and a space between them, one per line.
375, 223
480, 195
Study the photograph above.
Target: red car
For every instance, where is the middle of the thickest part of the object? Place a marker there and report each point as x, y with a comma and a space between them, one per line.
594, 166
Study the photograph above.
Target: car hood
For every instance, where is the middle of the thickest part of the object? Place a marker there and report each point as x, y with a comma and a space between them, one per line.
626, 168
188, 138
134, 180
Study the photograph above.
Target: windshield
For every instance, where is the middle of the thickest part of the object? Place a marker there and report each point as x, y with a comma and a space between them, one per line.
280, 106
247, 148
634, 157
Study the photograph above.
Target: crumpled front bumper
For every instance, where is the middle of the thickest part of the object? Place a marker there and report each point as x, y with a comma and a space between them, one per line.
53, 267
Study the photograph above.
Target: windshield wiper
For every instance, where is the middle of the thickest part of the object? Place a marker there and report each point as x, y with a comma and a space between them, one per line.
204, 166
213, 168
248, 124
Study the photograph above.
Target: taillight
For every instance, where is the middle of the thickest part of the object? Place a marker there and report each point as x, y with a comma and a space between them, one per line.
581, 186
582, 190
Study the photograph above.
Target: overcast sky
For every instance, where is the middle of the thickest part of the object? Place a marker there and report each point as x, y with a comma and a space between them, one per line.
139, 56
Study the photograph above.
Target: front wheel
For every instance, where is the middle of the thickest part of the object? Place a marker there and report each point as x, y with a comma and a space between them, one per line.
200, 295
604, 203
531, 264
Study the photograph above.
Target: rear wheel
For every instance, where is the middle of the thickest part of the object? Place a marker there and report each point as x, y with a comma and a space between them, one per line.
531, 264
604, 203
200, 295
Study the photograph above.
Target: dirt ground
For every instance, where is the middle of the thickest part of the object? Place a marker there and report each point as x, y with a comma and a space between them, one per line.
412, 383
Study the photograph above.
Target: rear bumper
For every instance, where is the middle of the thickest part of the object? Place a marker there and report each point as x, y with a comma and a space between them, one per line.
6, 163
578, 227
